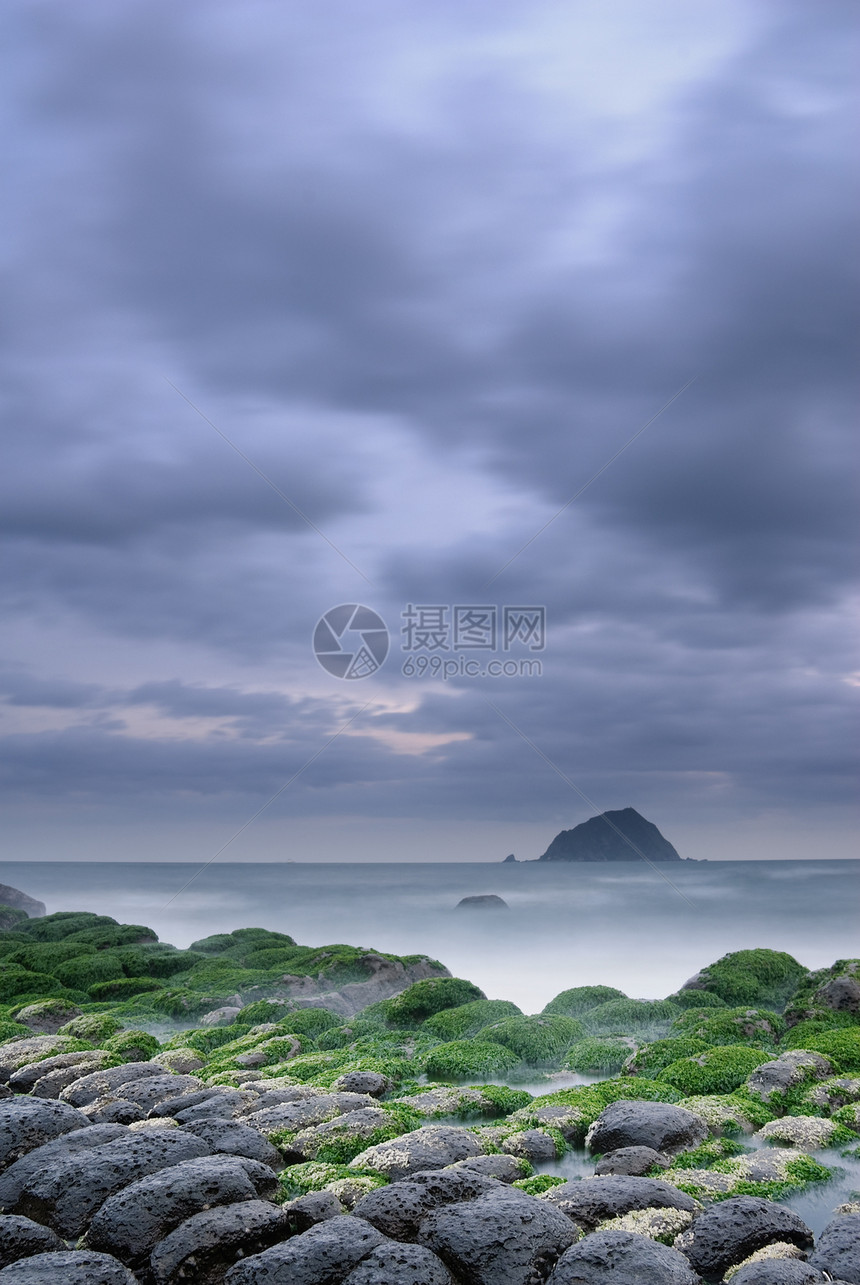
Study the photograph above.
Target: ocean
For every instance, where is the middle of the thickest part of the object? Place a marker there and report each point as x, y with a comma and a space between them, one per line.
566, 925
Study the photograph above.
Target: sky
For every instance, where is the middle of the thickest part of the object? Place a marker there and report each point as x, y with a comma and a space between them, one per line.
512, 305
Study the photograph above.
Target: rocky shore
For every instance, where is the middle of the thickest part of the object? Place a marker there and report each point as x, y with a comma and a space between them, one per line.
254, 1111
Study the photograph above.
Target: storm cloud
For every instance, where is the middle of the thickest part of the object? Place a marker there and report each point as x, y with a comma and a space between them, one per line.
307, 306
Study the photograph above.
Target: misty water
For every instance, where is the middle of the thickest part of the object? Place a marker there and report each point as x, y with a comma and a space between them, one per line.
566, 925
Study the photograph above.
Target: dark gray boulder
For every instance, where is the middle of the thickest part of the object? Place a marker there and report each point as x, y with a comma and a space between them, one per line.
52, 1083
632, 1162
233, 1138
203, 1248
17, 1053
535, 1145
99, 1083
622, 1258
727, 1233
372, 1083
502, 1238
67, 1267
69, 1189
432, 1147
18, 900
149, 1090
780, 1271
201, 1104
658, 1125
589, 1203
305, 1112
838, 1249
21, 1238
784, 1072
323, 1255
23, 1080
400, 1265
397, 1210
842, 995
503, 1167
27, 1123
131, 1223
109, 1110
15, 1178
358, 1126
314, 1207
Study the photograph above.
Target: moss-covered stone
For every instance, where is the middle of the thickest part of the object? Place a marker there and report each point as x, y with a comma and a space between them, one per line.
466, 1020
594, 1055
314, 1175
841, 1047
764, 978
95, 1028
631, 1017
754, 1026
422, 999
120, 988
581, 999
654, 1057
132, 1046
717, 1070
539, 1041
462, 1060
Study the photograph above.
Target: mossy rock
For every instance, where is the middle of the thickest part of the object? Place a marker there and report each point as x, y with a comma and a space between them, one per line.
841, 1046
63, 923
313, 1175
207, 1039
697, 999
717, 1070
630, 1017
120, 988
461, 1060
729, 1113
156, 960
755, 1026
539, 1041
582, 999
652, 1058
763, 978
46, 1015
87, 970
132, 1046
464, 1021
10, 917
583, 1103
95, 1028
46, 956
432, 995
13, 1031
809, 994
595, 1054
306, 1066
214, 945
20, 984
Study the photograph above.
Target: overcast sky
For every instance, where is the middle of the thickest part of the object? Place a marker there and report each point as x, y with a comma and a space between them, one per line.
428, 267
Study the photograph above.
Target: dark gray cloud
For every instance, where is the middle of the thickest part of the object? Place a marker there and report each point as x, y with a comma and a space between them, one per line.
430, 270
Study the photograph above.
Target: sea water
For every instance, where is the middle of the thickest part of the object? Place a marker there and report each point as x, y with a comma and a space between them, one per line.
627, 925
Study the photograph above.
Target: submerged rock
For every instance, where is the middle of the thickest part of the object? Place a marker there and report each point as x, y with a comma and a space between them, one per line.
487, 901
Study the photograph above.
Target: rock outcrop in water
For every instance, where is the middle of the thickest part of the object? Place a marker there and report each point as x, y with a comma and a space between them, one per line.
624, 835
18, 900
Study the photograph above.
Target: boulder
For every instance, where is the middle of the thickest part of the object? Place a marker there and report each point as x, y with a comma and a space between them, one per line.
131, 1223
203, 1248
18, 900
842, 995
306, 1112
21, 1238
535, 1145
502, 1238
17, 1053
69, 1189
504, 1167
232, 1138
622, 1258
204, 1103
150, 1090
52, 1083
728, 1232
787, 1070
27, 1123
400, 1265
27, 1076
99, 1083
358, 1126
838, 1249
372, 1083
432, 1147
591, 1202
487, 901
46, 1017
225, 1016
323, 1255
658, 1125
631, 1162
15, 1178
69, 1267
397, 1210
780, 1271
314, 1207
111, 1110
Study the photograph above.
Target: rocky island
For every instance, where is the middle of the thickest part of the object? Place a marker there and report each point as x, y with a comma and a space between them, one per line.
624, 835
256, 1112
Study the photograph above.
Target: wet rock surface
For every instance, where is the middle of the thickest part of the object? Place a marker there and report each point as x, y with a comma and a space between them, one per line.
21, 1238
658, 1125
727, 1233
70, 1267
322, 1255
588, 1203
432, 1147
838, 1248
